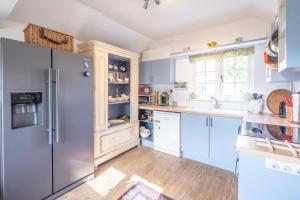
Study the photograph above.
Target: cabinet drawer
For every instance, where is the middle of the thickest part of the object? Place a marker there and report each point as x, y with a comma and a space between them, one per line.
112, 141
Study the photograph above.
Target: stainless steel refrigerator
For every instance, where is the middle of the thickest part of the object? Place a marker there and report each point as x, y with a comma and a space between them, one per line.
46, 121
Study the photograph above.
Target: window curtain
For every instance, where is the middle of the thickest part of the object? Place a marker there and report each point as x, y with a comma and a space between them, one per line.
218, 55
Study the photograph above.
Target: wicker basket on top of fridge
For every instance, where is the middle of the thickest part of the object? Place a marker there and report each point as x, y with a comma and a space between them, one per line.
45, 37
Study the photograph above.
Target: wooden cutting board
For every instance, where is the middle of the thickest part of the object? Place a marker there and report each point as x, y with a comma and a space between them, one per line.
274, 99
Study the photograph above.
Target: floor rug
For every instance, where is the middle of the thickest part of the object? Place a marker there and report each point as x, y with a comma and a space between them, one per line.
140, 191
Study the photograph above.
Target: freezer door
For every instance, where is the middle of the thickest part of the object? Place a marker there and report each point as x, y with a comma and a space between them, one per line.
27, 154
73, 117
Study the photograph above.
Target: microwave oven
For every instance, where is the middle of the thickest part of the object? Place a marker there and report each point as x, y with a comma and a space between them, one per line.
145, 99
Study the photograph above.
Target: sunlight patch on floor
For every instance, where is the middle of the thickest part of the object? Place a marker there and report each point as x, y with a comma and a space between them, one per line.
109, 179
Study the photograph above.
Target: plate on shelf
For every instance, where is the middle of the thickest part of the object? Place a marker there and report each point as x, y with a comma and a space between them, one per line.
116, 121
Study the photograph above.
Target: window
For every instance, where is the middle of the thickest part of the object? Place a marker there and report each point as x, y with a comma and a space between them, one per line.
235, 75
206, 78
225, 78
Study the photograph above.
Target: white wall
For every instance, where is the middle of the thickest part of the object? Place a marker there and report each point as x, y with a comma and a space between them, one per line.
14, 30
249, 28
185, 71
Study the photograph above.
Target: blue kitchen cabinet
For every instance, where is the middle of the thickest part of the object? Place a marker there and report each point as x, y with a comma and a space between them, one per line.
145, 73
288, 41
163, 71
195, 137
260, 183
157, 71
223, 134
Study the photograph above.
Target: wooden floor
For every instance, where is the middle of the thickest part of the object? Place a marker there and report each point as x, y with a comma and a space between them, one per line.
179, 178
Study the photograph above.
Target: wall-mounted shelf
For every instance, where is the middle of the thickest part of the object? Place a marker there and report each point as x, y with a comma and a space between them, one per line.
235, 45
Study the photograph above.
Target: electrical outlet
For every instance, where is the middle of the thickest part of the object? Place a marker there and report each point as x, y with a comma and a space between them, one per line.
282, 166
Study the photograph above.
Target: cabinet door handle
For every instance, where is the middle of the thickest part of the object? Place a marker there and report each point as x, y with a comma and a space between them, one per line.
206, 121
211, 122
50, 125
236, 167
239, 129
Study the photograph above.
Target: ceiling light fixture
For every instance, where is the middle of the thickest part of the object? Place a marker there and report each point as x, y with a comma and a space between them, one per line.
146, 3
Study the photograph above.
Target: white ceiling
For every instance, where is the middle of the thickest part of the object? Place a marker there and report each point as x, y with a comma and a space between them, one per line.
6, 7
174, 17
126, 24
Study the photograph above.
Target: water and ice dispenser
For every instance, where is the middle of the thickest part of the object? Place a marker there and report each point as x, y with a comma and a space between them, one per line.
26, 109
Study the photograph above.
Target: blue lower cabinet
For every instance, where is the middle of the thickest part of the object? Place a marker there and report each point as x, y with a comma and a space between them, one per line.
210, 140
195, 137
260, 183
223, 134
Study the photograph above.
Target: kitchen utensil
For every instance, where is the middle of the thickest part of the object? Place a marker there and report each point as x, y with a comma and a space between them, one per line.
111, 76
115, 67
256, 106
164, 99
282, 109
254, 96
120, 99
125, 97
123, 68
111, 99
156, 98
274, 99
110, 66
144, 132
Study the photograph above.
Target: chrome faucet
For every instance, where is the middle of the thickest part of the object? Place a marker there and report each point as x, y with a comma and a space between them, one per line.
216, 105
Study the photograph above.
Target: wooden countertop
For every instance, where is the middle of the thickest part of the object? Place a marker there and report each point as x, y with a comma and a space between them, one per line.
192, 110
244, 143
268, 118
249, 145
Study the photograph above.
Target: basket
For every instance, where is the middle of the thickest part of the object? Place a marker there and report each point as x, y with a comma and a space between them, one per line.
48, 38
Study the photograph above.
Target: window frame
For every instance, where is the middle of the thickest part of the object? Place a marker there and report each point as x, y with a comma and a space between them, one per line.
219, 91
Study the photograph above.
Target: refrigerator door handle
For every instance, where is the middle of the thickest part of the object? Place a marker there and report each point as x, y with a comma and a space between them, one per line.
50, 127
57, 105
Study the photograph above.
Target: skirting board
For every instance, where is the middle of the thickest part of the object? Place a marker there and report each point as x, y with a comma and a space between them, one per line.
117, 152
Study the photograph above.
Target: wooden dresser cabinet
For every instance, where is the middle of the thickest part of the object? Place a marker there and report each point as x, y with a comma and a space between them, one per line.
112, 140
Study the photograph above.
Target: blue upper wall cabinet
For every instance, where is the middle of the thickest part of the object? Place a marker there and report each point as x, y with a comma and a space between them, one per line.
157, 71
195, 137
289, 43
145, 73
